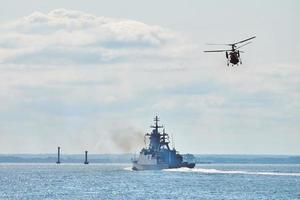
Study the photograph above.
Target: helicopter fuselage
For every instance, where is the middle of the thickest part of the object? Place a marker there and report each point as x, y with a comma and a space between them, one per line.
233, 54
234, 57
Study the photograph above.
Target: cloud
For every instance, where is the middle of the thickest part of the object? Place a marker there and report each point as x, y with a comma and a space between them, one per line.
189, 102
71, 37
70, 77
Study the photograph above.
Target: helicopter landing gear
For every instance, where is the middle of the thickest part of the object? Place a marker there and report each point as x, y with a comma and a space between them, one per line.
226, 53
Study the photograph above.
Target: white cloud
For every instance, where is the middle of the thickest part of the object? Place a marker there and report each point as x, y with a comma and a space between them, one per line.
190, 103
69, 37
72, 73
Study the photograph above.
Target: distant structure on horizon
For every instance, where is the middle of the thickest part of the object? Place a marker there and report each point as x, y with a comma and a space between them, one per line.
58, 155
86, 159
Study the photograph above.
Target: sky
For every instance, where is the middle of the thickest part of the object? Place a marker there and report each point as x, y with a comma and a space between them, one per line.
92, 75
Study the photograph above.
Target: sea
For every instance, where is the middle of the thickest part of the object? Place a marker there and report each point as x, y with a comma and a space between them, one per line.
37, 181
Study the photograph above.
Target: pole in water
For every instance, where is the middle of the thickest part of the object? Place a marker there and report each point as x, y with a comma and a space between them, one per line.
86, 160
58, 155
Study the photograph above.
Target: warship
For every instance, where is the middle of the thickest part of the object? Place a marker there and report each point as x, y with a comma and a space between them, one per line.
158, 155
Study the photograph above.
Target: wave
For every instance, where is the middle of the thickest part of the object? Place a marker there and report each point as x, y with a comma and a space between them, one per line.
128, 169
216, 171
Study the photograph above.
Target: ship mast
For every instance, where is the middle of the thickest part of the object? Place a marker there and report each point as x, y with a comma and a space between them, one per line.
158, 140
155, 136
156, 126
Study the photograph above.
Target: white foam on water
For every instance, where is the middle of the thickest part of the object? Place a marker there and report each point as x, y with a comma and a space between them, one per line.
128, 169
216, 171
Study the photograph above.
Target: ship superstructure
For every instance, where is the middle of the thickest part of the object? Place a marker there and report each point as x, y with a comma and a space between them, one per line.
158, 154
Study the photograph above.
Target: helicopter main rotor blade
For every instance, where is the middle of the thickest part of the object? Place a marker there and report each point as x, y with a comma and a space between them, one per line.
243, 45
216, 51
217, 44
244, 40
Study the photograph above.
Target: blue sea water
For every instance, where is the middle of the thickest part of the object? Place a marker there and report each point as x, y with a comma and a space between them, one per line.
117, 181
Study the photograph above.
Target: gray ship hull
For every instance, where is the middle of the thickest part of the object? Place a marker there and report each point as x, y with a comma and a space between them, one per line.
139, 167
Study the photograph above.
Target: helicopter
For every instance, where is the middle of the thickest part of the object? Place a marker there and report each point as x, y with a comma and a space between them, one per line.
233, 54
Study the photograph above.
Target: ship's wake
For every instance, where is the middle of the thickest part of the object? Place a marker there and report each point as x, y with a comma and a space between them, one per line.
216, 171
128, 169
